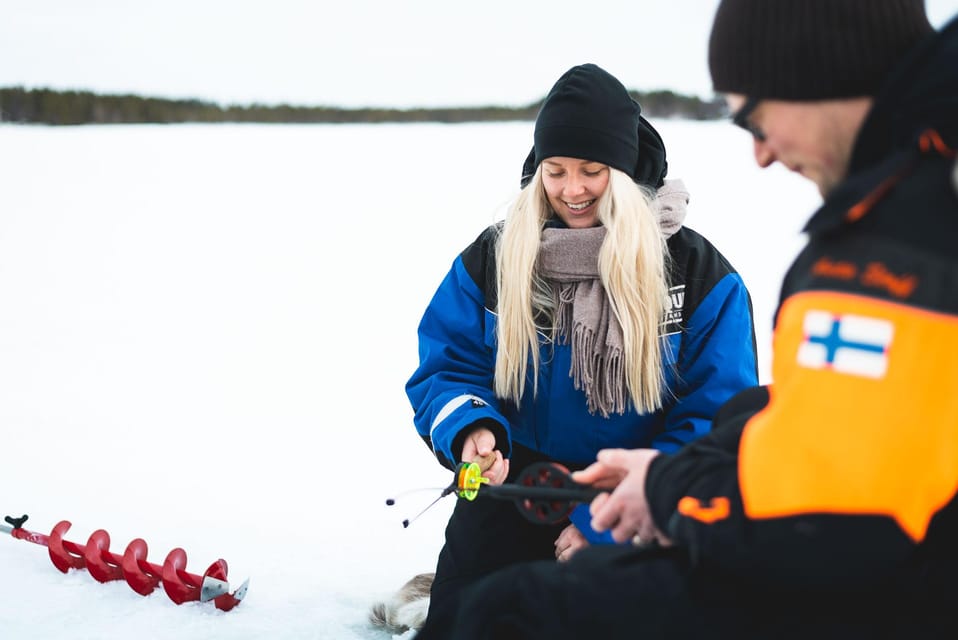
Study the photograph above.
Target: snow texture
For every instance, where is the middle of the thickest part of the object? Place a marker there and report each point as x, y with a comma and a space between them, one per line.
204, 336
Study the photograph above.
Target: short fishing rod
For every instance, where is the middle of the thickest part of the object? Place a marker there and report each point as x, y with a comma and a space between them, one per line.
544, 492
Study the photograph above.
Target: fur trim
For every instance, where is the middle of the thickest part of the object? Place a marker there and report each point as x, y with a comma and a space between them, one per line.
407, 608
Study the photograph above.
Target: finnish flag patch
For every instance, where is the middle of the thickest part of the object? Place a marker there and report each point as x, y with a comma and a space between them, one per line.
849, 344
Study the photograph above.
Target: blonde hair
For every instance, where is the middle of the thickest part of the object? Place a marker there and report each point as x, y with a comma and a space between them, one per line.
632, 268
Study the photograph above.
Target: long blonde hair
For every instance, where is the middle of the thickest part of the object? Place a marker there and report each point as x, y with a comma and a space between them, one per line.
632, 268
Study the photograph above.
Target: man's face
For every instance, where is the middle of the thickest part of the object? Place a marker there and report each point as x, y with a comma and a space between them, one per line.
814, 139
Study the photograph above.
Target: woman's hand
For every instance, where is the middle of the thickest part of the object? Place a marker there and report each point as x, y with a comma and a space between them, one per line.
480, 447
569, 542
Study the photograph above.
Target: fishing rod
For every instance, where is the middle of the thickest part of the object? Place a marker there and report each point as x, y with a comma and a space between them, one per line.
544, 492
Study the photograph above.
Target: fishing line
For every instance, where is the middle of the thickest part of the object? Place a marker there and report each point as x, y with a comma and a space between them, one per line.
391, 501
445, 491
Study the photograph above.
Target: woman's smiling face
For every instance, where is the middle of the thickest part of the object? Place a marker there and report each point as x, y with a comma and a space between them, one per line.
573, 187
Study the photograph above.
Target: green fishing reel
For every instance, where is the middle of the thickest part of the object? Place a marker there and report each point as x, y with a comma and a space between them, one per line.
468, 480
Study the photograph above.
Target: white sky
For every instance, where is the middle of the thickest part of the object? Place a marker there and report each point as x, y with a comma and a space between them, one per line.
356, 52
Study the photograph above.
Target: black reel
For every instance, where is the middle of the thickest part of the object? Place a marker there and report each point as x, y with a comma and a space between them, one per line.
544, 492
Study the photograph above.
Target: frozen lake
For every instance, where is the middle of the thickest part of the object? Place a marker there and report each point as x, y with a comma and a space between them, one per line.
204, 336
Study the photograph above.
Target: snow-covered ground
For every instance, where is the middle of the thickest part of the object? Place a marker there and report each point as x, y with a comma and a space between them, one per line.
204, 336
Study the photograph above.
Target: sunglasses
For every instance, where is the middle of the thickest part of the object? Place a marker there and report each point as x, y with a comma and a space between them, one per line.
741, 119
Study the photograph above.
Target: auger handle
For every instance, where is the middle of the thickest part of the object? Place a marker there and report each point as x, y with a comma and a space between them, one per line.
18, 532
17, 527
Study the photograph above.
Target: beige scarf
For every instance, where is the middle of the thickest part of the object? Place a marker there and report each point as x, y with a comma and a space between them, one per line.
569, 261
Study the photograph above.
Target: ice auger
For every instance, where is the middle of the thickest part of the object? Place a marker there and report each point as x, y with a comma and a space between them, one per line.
142, 576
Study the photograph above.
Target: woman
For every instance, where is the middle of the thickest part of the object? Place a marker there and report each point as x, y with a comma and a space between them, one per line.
589, 319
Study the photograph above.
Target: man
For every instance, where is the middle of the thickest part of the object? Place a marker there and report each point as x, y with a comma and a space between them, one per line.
824, 506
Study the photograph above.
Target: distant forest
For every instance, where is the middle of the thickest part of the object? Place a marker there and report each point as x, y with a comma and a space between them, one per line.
46, 106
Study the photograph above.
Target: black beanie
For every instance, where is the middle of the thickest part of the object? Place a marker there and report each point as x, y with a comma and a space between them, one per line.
589, 114
811, 49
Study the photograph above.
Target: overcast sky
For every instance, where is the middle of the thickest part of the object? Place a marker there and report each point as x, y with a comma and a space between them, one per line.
356, 52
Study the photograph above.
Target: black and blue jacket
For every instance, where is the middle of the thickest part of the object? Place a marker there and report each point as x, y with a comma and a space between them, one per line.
711, 357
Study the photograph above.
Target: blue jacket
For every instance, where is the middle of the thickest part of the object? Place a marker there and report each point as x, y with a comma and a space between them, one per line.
712, 357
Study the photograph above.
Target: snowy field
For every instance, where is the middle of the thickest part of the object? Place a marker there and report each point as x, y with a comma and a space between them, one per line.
204, 336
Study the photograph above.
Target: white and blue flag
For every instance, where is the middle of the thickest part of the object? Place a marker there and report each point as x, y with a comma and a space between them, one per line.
850, 344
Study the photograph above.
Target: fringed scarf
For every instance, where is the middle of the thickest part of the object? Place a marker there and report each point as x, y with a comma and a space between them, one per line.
569, 260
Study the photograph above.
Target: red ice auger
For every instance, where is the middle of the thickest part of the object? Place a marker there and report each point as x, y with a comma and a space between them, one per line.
142, 576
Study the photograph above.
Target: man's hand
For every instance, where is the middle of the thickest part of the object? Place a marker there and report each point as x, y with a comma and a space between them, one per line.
625, 511
480, 447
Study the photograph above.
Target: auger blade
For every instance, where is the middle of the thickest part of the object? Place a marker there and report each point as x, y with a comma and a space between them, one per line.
240, 593
227, 601
213, 588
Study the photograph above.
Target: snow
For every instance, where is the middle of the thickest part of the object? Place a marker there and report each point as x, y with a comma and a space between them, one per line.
204, 336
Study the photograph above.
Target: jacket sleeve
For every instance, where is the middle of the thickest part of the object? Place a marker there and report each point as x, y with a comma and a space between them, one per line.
717, 360
807, 491
451, 390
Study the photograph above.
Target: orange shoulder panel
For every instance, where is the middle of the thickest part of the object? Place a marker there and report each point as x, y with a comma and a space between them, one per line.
863, 413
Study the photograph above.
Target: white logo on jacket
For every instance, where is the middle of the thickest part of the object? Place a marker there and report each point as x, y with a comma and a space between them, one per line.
674, 304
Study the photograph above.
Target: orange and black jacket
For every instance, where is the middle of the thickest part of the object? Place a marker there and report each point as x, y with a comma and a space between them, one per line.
843, 474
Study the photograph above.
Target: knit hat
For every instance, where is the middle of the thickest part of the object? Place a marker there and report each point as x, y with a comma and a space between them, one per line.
589, 114
811, 49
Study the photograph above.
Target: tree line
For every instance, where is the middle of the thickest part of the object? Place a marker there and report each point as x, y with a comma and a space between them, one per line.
47, 106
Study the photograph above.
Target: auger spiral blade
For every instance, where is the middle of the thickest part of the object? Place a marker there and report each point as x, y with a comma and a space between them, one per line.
133, 567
